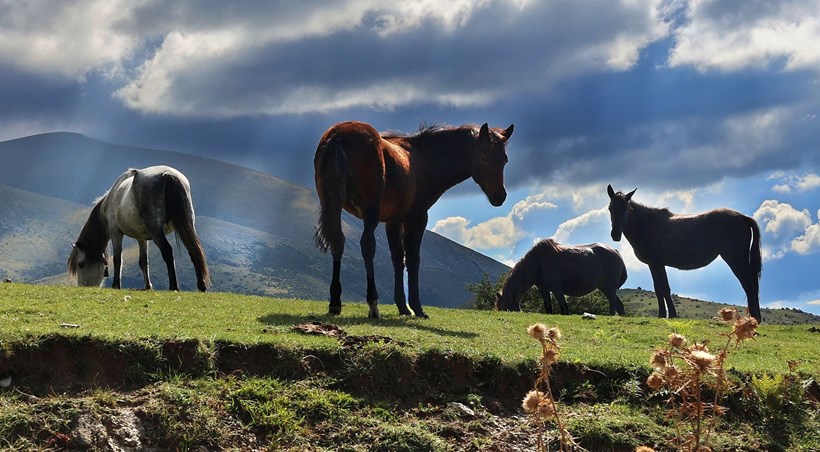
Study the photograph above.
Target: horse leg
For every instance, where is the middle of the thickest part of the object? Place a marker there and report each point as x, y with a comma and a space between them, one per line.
143, 244
748, 280
545, 295
167, 255
615, 303
395, 233
413, 234
116, 243
368, 245
562, 302
662, 291
335, 307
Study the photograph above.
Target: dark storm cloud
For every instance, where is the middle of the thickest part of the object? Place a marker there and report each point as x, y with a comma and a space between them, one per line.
588, 85
496, 50
26, 95
632, 125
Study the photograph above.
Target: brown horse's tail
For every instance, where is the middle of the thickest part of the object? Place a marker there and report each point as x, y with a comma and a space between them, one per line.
332, 172
180, 209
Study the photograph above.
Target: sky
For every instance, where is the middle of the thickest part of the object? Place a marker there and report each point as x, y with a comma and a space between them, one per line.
697, 104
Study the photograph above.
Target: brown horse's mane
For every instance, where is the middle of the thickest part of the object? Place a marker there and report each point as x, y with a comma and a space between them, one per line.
433, 131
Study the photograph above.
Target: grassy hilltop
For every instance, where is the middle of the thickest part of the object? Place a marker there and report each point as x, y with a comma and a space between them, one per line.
217, 370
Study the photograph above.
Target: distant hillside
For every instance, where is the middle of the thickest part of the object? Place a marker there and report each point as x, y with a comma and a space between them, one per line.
256, 229
643, 302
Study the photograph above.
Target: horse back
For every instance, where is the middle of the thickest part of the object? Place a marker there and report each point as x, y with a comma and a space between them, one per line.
574, 270
378, 179
137, 201
693, 241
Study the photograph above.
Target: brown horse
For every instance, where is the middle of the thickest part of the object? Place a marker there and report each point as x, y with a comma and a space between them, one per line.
395, 179
687, 242
565, 270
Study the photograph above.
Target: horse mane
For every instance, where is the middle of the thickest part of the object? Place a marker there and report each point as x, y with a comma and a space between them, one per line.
662, 212
431, 131
529, 263
548, 246
93, 239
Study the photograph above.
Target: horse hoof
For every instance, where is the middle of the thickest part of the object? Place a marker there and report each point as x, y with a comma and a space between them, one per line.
422, 315
334, 310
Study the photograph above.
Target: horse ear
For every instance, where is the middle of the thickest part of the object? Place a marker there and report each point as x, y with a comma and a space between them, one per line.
484, 133
629, 195
610, 191
507, 133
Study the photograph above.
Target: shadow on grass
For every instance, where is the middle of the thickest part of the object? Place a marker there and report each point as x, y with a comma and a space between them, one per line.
342, 322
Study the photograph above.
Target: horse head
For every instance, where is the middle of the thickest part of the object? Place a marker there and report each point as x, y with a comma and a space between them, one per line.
508, 297
90, 270
618, 211
489, 161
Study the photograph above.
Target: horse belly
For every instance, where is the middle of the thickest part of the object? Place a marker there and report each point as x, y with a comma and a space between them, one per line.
691, 260
580, 287
129, 220
579, 275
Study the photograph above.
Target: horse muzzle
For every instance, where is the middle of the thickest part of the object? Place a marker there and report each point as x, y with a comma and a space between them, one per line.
497, 198
616, 236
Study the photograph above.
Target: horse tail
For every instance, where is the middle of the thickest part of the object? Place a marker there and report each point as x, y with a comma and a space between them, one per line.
180, 209
623, 276
755, 266
332, 172
755, 261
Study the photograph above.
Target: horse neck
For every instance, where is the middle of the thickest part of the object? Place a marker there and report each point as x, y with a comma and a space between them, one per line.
448, 156
94, 235
640, 216
526, 269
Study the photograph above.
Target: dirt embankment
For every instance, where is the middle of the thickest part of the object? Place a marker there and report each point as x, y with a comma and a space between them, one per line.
370, 364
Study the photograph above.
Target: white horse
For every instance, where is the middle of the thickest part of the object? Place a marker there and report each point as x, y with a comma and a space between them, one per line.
145, 204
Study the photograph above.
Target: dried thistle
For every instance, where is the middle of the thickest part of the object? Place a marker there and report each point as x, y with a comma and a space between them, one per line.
537, 331
744, 328
728, 314
531, 401
685, 372
676, 340
702, 359
540, 404
659, 359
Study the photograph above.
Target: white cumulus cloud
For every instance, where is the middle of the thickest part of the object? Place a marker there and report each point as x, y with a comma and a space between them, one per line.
530, 204
730, 36
495, 233
809, 242
787, 229
69, 39
565, 229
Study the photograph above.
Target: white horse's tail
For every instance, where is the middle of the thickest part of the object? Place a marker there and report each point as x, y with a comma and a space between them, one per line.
180, 209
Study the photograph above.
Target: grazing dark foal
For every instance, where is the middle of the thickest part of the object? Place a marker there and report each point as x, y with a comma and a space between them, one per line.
395, 179
565, 270
661, 238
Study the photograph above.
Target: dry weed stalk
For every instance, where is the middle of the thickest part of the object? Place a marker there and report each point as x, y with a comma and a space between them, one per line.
686, 372
539, 404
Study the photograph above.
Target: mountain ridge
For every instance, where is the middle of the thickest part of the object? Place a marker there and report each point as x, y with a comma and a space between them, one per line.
256, 228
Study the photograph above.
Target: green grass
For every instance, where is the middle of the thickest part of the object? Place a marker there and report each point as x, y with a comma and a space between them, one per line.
347, 404
30, 311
